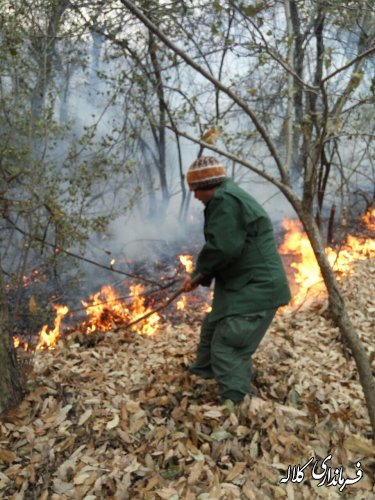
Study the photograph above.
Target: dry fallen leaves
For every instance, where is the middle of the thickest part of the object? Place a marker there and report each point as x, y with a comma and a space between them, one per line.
123, 419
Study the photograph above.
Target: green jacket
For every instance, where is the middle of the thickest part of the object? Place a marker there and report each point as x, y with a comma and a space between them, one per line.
240, 253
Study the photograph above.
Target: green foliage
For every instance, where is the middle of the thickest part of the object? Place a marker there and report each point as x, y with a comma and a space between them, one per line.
216, 6
58, 179
372, 87
253, 9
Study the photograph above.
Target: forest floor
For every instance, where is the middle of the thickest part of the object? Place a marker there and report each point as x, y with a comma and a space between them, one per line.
123, 419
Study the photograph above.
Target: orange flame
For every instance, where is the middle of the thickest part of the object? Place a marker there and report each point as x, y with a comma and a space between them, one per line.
181, 304
150, 325
207, 308
307, 274
49, 338
104, 311
19, 343
369, 219
187, 262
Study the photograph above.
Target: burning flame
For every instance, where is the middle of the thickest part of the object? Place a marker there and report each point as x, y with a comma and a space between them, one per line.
48, 338
206, 308
150, 325
181, 304
187, 262
307, 274
369, 219
104, 311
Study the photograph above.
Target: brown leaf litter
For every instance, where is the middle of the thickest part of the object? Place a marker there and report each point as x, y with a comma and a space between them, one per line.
123, 419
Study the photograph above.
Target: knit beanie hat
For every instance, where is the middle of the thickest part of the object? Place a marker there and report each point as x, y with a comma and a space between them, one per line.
206, 171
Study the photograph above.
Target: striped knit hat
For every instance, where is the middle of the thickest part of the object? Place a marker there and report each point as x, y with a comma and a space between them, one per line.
206, 171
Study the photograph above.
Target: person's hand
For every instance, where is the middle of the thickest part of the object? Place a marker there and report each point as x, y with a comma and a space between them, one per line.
188, 285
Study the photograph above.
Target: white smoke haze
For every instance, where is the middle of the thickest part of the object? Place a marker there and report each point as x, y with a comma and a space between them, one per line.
88, 99
134, 237
99, 88
141, 234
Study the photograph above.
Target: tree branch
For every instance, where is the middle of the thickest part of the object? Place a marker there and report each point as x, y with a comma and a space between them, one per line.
242, 104
360, 56
285, 189
80, 257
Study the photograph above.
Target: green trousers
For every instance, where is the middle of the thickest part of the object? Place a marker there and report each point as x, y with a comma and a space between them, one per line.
225, 350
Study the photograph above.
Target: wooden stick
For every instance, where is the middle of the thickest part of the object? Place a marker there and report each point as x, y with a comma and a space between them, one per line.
194, 281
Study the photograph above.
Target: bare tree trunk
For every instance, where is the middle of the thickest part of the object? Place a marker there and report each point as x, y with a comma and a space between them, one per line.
10, 385
289, 120
296, 52
43, 51
161, 129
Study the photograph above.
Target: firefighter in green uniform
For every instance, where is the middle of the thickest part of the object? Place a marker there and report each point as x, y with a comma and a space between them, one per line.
240, 254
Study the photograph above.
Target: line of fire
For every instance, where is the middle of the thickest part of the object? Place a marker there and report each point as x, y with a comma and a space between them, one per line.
107, 309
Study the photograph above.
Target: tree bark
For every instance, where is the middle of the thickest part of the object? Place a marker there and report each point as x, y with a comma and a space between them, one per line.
10, 385
161, 135
43, 52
